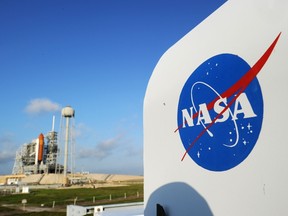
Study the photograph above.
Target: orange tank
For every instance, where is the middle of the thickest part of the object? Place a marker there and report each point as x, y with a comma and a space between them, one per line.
41, 147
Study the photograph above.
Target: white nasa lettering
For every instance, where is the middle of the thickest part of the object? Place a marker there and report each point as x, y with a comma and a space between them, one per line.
243, 102
203, 115
186, 118
242, 106
218, 109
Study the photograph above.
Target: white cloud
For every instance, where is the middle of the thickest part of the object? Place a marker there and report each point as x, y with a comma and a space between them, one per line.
102, 149
81, 130
118, 146
41, 105
8, 148
6, 156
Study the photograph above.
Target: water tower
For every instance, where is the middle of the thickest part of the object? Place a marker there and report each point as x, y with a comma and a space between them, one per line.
67, 113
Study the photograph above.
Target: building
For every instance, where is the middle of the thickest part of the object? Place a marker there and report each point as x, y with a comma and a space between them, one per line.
38, 156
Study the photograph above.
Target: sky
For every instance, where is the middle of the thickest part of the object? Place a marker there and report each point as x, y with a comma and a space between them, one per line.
94, 55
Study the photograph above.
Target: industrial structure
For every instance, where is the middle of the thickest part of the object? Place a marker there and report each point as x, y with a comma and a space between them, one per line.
67, 113
39, 155
42, 155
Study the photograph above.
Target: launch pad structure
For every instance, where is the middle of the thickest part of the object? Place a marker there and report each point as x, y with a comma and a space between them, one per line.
37, 157
42, 155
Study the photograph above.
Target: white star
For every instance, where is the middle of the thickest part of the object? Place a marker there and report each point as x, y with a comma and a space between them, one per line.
249, 126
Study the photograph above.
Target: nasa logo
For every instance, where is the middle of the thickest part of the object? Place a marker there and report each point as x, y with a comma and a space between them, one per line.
220, 111
236, 131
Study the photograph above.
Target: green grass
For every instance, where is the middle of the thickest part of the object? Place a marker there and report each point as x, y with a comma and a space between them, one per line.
17, 212
64, 197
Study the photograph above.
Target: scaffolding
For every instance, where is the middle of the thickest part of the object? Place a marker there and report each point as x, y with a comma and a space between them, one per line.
27, 160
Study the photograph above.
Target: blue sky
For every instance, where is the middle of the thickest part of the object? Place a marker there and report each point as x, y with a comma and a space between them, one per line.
96, 56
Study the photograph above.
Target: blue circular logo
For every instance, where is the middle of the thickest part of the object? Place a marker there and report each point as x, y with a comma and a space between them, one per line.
219, 117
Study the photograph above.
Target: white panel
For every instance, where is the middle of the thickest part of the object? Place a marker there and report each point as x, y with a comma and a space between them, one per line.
257, 185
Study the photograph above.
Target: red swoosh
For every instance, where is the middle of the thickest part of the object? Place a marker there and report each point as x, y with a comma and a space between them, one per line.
238, 88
